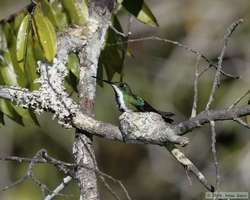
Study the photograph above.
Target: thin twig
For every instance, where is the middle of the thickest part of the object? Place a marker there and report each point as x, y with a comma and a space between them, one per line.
196, 77
238, 100
64, 166
204, 70
189, 178
216, 81
243, 123
117, 31
117, 182
197, 53
109, 188
29, 173
130, 20
188, 165
213, 148
19, 181
227, 36
59, 188
102, 176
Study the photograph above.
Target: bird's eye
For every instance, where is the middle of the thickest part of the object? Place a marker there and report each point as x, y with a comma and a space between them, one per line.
122, 85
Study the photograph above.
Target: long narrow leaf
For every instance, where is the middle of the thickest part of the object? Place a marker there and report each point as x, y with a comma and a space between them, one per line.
141, 11
45, 33
75, 13
112, 57
22, 38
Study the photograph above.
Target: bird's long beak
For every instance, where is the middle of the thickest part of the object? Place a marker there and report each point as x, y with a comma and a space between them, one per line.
115, 88
105, 81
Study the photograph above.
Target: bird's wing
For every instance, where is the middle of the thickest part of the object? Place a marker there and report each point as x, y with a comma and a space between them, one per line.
146, 107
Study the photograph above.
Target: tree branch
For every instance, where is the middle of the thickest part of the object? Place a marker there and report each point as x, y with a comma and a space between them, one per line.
211, 115
214, 152
100, 12
216, 81
59, 188
188, 165
66, 168
241, 122
111, 132
193, 51
196, 78
239, 99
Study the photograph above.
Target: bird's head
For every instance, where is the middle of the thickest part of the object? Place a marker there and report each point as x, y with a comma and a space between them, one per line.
118, 86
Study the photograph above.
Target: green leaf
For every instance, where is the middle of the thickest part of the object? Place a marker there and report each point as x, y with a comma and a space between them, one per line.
3, 42
85, 9
141, 11
31, 66
11, 49
76, 13
73, 77
50, 12
28, 116
18, 20
25, 52
71, 82
10, 73
61, 16
46, 34
7, 71
22, 39
9, 111
73, 64
112, 57
7, 77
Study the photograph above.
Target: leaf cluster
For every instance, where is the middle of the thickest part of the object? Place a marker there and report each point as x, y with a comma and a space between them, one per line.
30, 36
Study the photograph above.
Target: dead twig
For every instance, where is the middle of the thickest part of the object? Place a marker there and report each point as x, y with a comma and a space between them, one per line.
214, 152
196, 77
197, 53
241, 122
239, 100
59, 188
188, 165
215, 84
216, 81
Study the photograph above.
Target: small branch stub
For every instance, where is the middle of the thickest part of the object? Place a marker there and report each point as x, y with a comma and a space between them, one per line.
147, 127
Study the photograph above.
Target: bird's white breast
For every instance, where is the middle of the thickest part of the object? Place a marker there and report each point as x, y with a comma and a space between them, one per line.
121, 103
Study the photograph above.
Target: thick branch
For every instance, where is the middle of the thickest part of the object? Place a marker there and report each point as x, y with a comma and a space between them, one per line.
211, 115
99, 19
111, 132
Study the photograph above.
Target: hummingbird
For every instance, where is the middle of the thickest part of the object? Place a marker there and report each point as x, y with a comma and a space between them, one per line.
128, 101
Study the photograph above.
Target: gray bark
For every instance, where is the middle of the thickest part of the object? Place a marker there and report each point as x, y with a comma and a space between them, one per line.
99, 20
